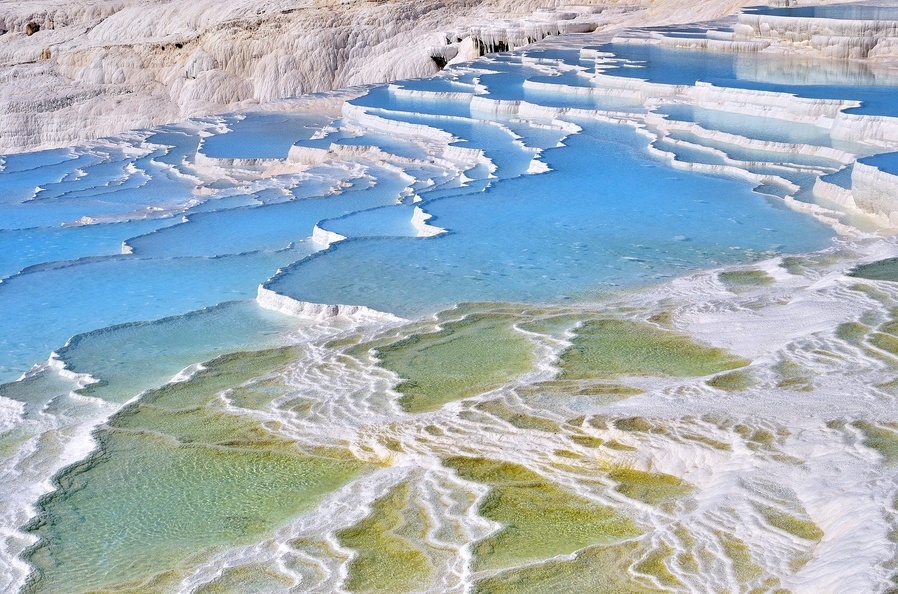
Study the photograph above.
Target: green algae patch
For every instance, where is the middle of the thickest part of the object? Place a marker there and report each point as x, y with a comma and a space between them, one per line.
633, 424
587, 441
223, 373
882, 270
342, 343
556, 326
756, 438
873, 293
889, 386
478, 353
387, 560
363, 350
600, 393
609, 348
567, 454
620, 447
744, 567
599, 422
885, 342
539, 518
852, 332
653, 488
794, 525
192, 412
708, 441
741, 280
597, 570
734, 381
792, 376
686, 559
247, 579
890, 327
394, 445
881, 439
654, 564
258, 395
516, 418
175, 478
205, 426
12, 440
664, 318
144, 505
794, 265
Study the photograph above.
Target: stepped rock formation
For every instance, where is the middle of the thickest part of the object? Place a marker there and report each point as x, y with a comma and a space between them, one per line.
71, 71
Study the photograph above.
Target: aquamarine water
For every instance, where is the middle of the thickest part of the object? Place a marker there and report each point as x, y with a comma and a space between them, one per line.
128, 359
876, 11
381, 97
237, 230
750, 126
569, 234
757, 71
22, 174
841, 178
507, 86
887, 162
390, 144
21, 248
263, 136
44, 307
390, 221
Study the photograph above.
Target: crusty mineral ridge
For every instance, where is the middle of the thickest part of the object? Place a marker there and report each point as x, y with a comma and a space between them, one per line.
96, 67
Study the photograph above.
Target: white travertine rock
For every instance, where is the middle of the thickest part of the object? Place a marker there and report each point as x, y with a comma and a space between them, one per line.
96, 70
804, 29
420, 224
270, 300
873, 130
99, 67
467, 51
325, 237
835, 194
842, 39
875, 191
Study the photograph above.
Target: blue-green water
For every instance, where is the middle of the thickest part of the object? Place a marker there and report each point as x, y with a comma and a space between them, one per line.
570, 234
757, 71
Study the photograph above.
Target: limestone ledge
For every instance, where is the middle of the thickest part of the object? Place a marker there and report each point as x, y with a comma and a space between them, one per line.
273, 301
876, 192
98, 68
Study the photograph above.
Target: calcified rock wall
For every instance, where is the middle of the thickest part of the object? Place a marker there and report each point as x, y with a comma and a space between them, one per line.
805, 29
826, 37
96, 68
315, 311
874, 191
